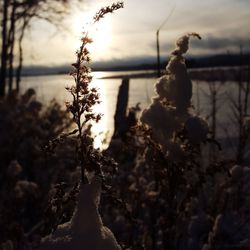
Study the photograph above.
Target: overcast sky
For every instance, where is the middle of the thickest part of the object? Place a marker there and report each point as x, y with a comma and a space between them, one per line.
131, 32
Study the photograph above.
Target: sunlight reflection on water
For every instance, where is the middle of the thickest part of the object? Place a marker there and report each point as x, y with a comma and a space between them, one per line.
53, 87
141, 90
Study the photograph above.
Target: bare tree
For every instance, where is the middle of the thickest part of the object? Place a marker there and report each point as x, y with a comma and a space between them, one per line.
4, 10
16, 18
240, 111
215, 83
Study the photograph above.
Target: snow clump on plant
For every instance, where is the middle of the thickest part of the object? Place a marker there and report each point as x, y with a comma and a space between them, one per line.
170, 110
196, 129
231, 227
14, 169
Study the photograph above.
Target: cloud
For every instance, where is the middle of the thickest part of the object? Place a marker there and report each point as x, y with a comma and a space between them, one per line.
212, 44
216, 43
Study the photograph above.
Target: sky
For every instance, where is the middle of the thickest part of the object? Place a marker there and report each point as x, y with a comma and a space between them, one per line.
131, 32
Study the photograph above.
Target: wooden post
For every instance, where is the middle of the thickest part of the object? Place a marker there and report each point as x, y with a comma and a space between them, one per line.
120, 117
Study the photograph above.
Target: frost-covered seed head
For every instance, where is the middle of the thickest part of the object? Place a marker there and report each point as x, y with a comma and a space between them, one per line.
159, 118
197, 129
236, 172
183, 42
14, 169
175, 151
25, 187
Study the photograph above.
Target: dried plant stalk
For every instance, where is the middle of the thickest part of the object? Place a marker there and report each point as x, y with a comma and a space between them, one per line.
85, 97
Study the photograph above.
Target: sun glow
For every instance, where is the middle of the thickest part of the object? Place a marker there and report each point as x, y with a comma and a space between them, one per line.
100, 33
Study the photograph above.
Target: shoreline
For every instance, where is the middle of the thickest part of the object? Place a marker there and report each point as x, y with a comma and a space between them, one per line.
207, 74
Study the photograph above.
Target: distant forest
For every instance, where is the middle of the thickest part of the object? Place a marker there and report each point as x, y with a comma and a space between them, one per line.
147, 63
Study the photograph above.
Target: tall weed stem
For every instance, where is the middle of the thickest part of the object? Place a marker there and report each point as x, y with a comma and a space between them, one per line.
85, 97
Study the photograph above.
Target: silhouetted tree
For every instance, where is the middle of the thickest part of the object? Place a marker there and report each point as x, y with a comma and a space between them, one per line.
4, 10
16, 17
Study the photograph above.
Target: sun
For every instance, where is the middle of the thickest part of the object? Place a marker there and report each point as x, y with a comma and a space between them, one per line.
100, 33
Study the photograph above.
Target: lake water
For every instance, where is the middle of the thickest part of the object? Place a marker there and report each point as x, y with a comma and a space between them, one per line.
141, 90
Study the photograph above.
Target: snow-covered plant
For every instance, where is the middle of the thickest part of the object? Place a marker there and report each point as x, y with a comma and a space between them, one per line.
231, 227
204, 206
168, 174
170, 111
159, 168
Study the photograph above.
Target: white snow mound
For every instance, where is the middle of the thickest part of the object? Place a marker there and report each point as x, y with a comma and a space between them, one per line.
85, 231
